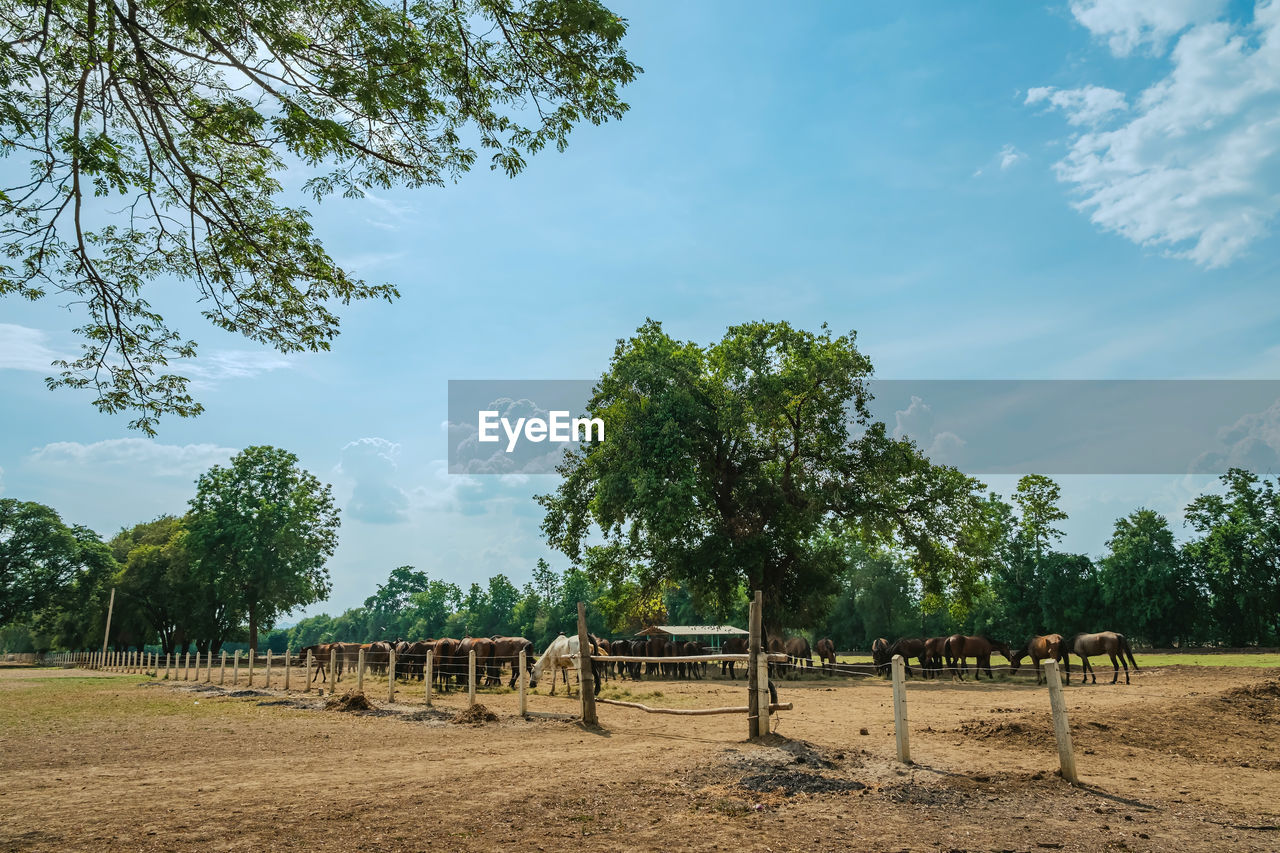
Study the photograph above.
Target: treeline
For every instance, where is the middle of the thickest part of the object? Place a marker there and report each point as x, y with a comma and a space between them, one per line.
1220, 587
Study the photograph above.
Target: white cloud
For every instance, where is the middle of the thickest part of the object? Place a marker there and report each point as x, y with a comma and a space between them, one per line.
1009, 157
1088, 105
1196, 169
371, 463
23, 348
141, 456
1130, 24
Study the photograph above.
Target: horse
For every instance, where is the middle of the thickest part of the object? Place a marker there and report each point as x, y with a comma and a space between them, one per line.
958, 647
733, 646
483, 647
602, 646
880, 655
826, 653
507, 649
1047, 647
799, 654
319, 658
908, 647
933, 654
693, 669
445, 661
559, 655
1106, 643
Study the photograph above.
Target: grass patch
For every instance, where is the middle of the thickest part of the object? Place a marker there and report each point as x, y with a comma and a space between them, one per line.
1196, 659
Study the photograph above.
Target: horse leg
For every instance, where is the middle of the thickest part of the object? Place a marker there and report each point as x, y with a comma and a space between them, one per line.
1036, 661
1115, 665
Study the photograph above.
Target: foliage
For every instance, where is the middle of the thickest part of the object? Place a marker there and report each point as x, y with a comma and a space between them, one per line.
1148, 586
157, 586
156, 132
734, 465
260, 532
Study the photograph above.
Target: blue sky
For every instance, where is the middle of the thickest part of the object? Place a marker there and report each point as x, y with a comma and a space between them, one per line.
983, 190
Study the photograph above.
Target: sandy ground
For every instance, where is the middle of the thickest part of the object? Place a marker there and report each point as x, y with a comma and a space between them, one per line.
1183, 758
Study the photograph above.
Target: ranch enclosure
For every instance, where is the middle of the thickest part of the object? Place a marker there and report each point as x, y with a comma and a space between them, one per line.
1184, 757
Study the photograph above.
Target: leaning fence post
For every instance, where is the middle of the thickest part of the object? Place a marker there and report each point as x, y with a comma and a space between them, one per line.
391, 676
222, 668
266, 679
235, 670
1061, 729
307, 681
900, 710
471, 678
524, 702
360, 672
426, 676
333, 670
288, 665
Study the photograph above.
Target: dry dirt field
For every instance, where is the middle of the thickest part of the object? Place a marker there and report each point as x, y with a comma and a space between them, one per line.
1184, 758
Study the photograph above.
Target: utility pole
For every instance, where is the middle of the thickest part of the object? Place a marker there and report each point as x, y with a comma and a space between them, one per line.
107, 633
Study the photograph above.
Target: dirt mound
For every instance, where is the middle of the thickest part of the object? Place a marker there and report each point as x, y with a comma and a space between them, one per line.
1259, 701
349, 701
1022, 731
235, 694
476, 715
792, 782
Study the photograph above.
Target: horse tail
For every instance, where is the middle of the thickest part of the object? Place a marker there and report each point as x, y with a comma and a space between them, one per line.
1124, 644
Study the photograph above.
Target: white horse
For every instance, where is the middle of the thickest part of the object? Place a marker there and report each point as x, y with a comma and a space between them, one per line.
560, 657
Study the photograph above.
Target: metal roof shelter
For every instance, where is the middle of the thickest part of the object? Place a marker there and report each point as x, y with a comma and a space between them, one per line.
691, 631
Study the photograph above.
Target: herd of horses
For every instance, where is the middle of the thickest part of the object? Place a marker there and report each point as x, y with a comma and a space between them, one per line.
952, 653
935, 655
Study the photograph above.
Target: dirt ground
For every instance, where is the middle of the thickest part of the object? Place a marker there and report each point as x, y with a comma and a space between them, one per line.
1184, 758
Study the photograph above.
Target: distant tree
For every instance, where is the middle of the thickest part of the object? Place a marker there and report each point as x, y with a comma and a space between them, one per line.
156, 581
260, 531
1070, 595
389, 606
1037, 498
734, 465
1237, 555
43, 561
155, 135
1149, 590
430, 609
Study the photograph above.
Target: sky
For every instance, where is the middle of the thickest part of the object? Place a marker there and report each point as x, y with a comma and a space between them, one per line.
1072, 190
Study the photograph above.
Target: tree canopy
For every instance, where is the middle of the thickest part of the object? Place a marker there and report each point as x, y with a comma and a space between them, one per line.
744, 462
260, 531
155, 134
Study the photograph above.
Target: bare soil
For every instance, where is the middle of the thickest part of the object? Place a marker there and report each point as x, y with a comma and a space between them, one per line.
1183, 758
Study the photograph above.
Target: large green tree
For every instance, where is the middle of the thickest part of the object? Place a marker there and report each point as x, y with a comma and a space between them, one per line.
260, 531
1149, 591
156, 584
741, 463
154, 135
1237, 555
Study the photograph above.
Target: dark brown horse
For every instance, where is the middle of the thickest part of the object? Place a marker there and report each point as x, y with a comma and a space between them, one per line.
933, 654
908, 647
826, 653
880, 655
799, 654
958, 647
507, 650
1047, 647
733, 646
1106, 643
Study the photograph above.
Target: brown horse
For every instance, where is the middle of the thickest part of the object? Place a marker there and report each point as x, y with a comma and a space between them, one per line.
799, 654
1047, 647
933, 656
507, 650
958, 647
1106, 643
733, 646
880, 655
908, 647
826, 653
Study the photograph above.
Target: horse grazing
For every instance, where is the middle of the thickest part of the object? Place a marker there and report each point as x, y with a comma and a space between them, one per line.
908, 647
1047, 647
933, 657
445, 663
799, 654
733, 646
1106, 643
507, 650
880, 655
958, 647
826, 653
559, 657
319, 658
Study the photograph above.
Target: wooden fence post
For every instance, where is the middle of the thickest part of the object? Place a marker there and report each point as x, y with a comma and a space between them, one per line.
471, 678
266, 678
524, 702
391, 676
333, 670
222, 668
900, 710
307, 680
168, 666
186, 666
586, 677
426, 676
1061, 729
252, 655
288, 665
753, 670
360, 672
235, 670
